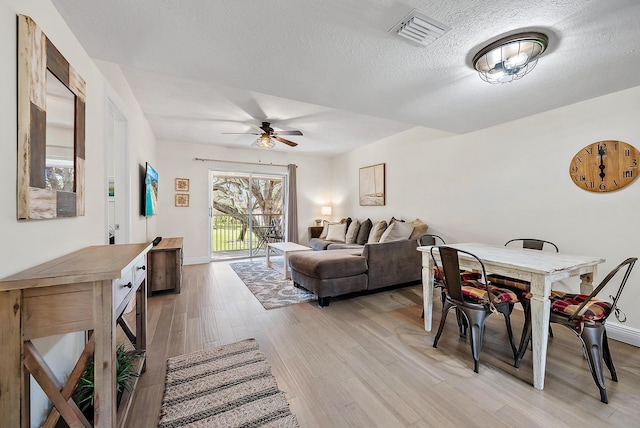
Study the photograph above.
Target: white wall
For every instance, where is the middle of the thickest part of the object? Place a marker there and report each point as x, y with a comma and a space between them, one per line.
28, 243
512, 181
176, 160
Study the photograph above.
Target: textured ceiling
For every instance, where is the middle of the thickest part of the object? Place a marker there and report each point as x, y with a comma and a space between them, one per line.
332, 69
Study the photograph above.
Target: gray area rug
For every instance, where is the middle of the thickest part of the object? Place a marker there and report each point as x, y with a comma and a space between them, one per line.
269, 285
228, 386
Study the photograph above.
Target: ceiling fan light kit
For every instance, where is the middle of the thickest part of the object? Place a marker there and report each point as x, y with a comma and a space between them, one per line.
264, 142
510, 58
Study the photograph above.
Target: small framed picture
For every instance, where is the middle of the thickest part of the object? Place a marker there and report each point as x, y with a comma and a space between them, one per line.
182, 184
182, 200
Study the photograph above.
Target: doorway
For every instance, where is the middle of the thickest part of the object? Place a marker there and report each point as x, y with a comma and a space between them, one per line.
118, 182
247, 212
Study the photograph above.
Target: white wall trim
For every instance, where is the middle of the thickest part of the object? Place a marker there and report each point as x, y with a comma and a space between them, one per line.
623, 334
195, 260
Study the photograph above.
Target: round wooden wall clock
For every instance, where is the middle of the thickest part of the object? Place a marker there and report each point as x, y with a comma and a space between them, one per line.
605, 166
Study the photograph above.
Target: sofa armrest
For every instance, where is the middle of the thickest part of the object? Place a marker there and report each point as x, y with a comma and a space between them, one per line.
314, 231
392, 263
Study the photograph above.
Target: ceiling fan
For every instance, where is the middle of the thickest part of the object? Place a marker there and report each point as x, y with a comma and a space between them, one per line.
266, 134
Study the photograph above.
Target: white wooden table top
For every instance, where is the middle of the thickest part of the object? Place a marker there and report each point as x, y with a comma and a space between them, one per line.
536, 261
288, 246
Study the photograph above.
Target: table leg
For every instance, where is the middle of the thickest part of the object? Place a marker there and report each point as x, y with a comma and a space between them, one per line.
287, 273
540, 307
104, 357
14, 393
586, 282
427, 289
268, 259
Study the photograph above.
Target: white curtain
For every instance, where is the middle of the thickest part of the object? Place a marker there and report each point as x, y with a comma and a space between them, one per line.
292, 206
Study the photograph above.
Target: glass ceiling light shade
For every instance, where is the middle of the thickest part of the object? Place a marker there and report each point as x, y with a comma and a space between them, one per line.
510, 58
264, 142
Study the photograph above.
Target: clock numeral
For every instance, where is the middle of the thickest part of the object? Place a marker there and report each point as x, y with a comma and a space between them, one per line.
590, 184
634, 163
616, 183
588, 150
627, 173
581, 178
602, 187
578, 159
615, 146
627, 153
574, 169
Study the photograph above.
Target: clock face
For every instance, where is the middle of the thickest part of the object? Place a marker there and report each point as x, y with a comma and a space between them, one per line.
605, 166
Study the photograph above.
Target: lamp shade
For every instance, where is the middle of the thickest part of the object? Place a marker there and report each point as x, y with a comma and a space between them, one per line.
510, 58
326, 211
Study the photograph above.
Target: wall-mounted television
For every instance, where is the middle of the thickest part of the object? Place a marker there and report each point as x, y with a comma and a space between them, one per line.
150, 200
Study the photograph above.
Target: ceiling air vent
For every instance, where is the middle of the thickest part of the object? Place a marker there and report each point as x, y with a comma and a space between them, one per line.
419, 28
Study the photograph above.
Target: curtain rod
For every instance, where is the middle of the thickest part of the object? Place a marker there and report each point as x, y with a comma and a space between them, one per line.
243, 163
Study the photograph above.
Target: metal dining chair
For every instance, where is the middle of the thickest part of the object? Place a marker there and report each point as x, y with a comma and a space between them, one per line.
474, 300
586, 317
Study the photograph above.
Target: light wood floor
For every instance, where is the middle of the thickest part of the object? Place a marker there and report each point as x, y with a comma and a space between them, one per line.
367, 362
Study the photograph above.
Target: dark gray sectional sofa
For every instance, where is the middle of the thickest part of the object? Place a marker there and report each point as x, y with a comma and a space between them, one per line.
336, 268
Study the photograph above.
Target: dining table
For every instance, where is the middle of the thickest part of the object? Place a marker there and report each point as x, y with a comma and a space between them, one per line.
540, 268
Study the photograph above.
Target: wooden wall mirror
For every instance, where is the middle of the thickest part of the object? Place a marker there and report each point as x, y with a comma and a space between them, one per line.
51, 129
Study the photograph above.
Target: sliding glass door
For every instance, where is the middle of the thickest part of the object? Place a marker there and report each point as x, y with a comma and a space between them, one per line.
247, 212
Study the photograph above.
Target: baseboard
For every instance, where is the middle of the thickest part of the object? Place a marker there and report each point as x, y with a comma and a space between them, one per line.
195, 260
623, 334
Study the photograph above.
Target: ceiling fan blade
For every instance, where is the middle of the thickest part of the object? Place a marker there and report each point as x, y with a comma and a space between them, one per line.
242, 133
287, 133
287, 142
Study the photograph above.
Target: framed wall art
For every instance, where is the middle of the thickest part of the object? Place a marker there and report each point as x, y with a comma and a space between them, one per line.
372, 185
182, 184
182, 200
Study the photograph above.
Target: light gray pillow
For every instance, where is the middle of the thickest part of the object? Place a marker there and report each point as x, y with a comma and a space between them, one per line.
397, 231
325, 229
376, 232
337, 232
352, 232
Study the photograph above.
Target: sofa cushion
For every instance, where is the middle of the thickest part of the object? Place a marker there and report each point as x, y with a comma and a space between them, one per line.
337, 232
419, 229
397, 231
328, 264
363, 232
352, 232
376, 232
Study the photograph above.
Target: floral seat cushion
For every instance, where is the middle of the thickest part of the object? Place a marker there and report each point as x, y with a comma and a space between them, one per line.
438, 274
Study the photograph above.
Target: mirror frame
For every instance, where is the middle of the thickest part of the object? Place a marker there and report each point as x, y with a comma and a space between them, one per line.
36, 55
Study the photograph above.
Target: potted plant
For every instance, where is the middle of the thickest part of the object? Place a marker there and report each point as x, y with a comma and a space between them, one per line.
318, 222
126, 373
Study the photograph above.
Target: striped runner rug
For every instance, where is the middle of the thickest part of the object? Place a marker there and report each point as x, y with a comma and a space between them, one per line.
228, 386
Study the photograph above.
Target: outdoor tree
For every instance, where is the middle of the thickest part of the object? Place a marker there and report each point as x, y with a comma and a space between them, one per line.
237, 197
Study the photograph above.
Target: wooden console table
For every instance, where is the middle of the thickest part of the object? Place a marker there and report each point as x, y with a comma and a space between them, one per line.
87, 290
165, 266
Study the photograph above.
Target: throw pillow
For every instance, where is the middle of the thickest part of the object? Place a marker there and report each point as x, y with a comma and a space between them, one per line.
397, 231
419, 229
325, 228
376, 232
363, 232
352, 232
337, 232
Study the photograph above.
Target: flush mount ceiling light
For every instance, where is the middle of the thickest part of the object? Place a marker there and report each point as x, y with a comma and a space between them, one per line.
264, 142
510, 58
419, 28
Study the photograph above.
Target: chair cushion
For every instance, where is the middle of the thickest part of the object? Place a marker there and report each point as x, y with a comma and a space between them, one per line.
476, 291
566, 303
505, 281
